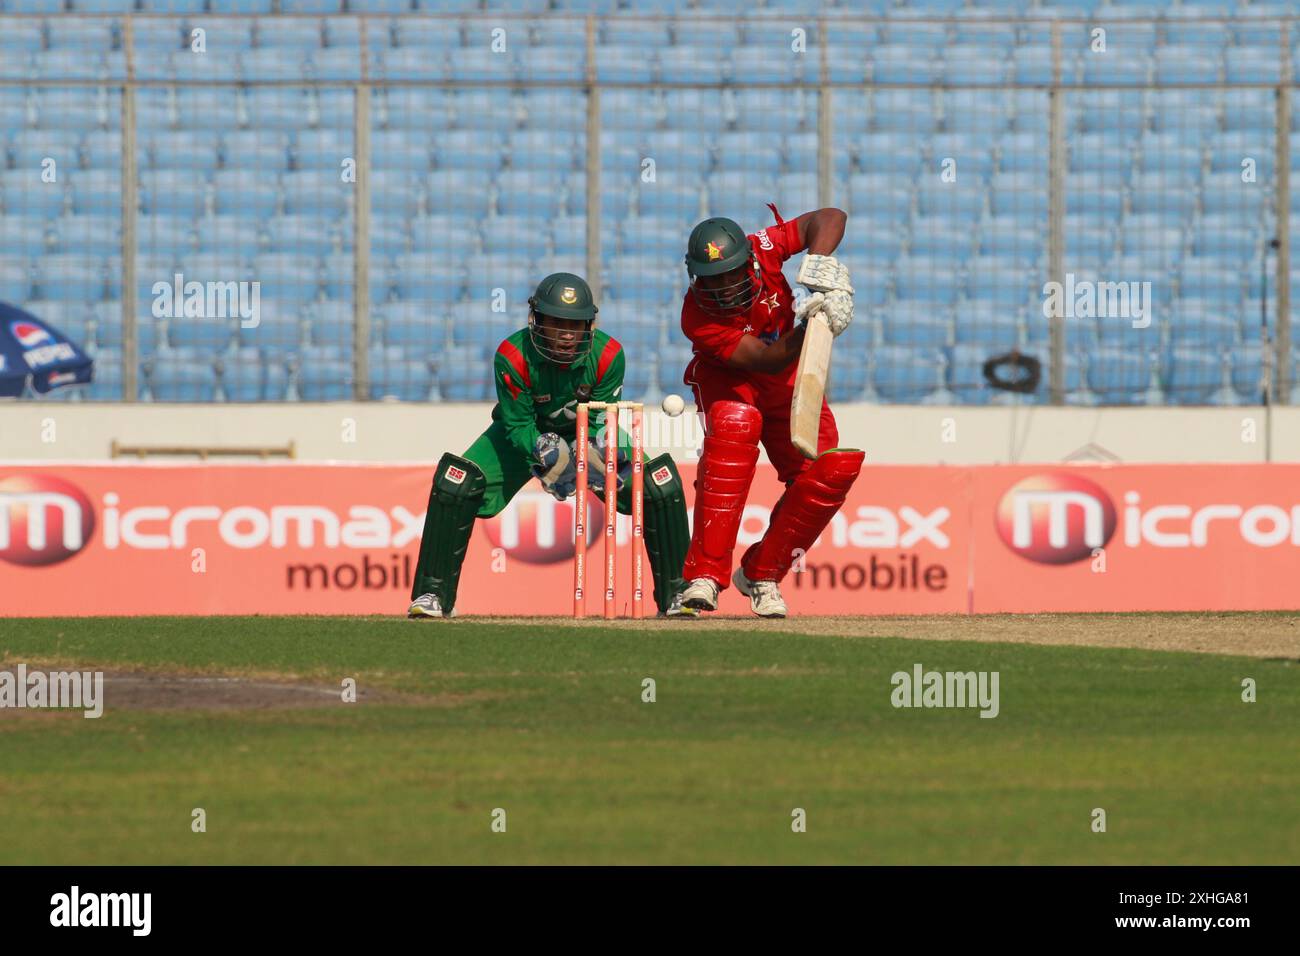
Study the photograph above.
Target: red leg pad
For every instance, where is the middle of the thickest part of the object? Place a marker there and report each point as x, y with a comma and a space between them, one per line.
802, 514
722, 483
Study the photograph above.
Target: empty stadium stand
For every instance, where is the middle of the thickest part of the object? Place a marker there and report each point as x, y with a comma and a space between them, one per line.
927, 120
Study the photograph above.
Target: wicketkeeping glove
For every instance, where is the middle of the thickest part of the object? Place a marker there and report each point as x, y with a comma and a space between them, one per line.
596, 463
832, 292
555, 467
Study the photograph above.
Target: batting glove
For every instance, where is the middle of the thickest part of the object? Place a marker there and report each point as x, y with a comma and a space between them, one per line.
824, 274
836, 307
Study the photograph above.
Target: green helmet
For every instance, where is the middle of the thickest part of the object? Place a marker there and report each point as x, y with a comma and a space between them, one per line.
717, 247
562, 295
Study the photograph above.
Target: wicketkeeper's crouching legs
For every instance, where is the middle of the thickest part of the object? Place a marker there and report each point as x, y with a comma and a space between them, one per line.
458, 489
667, 532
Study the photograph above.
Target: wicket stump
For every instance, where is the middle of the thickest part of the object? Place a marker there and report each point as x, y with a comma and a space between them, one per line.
580, 505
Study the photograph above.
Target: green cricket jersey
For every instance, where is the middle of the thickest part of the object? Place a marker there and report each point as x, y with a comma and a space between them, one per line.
534, 395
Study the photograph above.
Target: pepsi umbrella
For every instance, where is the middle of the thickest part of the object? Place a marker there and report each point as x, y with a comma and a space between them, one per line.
35, 349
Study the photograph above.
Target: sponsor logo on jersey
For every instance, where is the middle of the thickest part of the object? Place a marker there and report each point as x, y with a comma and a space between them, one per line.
773, 302
714, 252
455, 475
541, 399
661, 475
763, 241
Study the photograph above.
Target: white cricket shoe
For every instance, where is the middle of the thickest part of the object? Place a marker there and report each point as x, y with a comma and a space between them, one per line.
764, 596
426, 605
701, 595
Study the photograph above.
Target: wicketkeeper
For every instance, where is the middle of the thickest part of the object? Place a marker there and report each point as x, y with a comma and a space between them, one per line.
542, 372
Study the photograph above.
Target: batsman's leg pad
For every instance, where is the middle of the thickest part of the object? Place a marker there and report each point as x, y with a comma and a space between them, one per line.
802, 513
721, 486
458, 489
667, 532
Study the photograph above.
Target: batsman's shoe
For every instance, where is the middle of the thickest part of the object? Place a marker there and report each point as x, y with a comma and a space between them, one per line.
678, 609
426, 605
700, 595
764, 596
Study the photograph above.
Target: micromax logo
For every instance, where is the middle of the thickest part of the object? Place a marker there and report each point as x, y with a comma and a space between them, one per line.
43, 520
1055, 519
537, 529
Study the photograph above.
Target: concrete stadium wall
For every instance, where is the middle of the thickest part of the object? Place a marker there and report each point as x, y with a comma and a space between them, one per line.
891, 434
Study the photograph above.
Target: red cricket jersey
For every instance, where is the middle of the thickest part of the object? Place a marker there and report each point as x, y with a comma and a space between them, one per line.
772, 314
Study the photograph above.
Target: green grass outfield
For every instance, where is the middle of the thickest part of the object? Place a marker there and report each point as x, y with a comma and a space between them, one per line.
547, 722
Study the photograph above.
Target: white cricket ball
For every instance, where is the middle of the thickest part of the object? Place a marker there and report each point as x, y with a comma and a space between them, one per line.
673, 405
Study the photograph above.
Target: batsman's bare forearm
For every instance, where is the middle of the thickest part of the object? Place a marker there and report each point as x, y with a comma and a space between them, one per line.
755, 355
822, 231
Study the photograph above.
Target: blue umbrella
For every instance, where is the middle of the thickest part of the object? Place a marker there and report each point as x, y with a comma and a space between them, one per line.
31, 348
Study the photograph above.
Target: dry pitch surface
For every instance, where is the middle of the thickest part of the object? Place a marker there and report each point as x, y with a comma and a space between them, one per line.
1270, 634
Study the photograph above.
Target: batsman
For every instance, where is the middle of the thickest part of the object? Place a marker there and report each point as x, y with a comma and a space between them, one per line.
542, 372
747, 336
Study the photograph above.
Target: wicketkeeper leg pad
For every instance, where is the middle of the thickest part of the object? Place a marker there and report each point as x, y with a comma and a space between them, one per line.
721, 486
803, 513
457, 493
667, 532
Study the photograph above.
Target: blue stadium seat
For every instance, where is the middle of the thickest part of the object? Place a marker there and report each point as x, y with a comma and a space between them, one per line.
1247, 370
30, 148
234, 191
916, 325
318, 193
930, 281
974, 64
255, 149
182, 380
408, 380
267, 107
464, 374
23, 237
429, 277
651, 237
100, 191
207, 334
879, 195
305, 234
1193, 376
906, 375
89, 234
960, 200
326, 380
330, 323
1244, 64
324, 148
1119, 375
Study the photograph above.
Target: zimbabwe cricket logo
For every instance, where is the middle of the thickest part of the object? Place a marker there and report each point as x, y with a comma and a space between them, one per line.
714, 252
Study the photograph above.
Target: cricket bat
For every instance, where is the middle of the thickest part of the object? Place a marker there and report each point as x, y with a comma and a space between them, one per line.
810, 384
